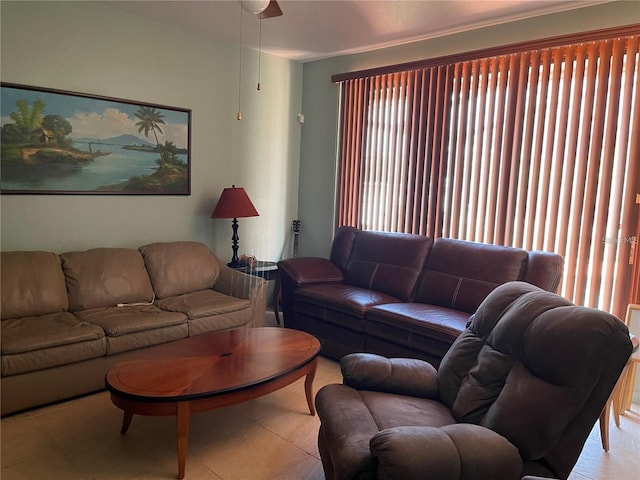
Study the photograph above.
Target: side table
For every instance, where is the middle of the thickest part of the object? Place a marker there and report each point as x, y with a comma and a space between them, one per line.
268, 271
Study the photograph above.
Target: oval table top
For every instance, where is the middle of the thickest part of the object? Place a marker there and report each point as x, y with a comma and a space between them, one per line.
212, 364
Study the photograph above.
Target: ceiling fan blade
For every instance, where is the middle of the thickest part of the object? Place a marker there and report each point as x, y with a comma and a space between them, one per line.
272, 10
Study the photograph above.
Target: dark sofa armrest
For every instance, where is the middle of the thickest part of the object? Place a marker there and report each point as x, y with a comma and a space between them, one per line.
402, 376
306, 270
447, 453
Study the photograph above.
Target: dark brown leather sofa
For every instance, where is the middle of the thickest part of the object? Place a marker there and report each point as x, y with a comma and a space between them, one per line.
517, 394
400, 294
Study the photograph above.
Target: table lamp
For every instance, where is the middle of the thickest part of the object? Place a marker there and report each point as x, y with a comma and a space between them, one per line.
234, 203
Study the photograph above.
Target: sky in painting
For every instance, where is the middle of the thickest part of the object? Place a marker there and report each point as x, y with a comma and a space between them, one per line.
97, 117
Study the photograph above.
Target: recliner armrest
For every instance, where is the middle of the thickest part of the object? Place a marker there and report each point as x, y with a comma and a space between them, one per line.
447, 453
307, 270
402, 376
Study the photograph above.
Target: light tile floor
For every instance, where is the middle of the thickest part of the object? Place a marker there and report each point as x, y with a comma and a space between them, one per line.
271, 438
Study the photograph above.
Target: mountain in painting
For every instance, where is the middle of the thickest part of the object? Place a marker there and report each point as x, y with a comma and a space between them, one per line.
119, 140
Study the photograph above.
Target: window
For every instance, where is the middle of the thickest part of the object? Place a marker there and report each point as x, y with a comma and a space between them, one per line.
535, 147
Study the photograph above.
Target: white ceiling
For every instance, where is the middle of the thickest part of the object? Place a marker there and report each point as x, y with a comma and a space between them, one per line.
315, 29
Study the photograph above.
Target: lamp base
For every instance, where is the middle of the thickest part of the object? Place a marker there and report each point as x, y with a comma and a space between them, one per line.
235, 264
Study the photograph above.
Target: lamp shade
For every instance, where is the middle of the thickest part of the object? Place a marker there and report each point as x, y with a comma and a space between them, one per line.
234, 203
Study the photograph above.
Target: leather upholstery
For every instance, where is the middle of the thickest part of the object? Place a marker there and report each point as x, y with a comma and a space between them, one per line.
32, 284
67, 318
387, 262
544, 270
104, 277
531, 367
459, 274
400, 294
176, 268
342, 246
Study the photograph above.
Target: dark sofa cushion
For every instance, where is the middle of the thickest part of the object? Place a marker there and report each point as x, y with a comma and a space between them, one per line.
460, 274
339, 297
342, 245
405, 323
387, 262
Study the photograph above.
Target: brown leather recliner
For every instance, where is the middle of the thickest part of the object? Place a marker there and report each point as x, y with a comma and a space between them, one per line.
517, 394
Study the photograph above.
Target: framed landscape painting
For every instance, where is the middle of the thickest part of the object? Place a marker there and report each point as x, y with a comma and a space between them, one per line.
58, 142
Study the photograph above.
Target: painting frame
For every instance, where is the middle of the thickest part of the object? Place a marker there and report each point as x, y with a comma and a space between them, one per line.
59, 142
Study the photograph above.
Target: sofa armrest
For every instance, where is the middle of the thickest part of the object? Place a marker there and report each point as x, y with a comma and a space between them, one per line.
306, 270
447, 453
402, 376
240, 285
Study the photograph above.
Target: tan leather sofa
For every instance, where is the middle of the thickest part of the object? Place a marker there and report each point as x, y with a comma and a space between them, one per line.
67, 318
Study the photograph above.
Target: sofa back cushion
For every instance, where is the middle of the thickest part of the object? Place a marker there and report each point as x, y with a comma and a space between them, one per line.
387, 262
105, 277
536, 369
459, 274
342, 245
32, 283
176, 268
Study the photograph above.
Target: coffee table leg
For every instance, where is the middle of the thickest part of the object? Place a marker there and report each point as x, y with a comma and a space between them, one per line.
126, 421
308, 385
183, 433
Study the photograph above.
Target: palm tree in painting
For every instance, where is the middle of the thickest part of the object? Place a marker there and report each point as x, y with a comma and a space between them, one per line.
150, 119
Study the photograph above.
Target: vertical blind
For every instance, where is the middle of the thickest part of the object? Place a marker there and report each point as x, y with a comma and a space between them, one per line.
535, 149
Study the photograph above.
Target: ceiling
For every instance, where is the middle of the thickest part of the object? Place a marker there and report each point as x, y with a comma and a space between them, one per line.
315, 29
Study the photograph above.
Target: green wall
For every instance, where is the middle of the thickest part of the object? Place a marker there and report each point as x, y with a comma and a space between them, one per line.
320, 99
288, 169
95, 48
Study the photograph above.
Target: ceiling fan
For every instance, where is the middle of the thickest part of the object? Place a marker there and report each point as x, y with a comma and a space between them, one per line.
262, 8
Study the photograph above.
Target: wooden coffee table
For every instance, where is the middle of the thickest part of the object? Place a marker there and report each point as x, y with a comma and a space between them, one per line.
211, 371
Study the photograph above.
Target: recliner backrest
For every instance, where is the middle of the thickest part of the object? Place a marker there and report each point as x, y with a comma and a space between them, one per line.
536, 369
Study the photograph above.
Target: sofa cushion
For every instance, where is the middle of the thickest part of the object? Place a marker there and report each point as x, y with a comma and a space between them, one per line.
387, 262
203, 303
136, 326
459, 274
105, 277
176, 268
117, 321
410, 321
341, 246
32, 284
34, 343
341, 298
209, 310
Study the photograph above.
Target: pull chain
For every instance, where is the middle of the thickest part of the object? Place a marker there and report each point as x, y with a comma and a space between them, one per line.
259, 54
239, 116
